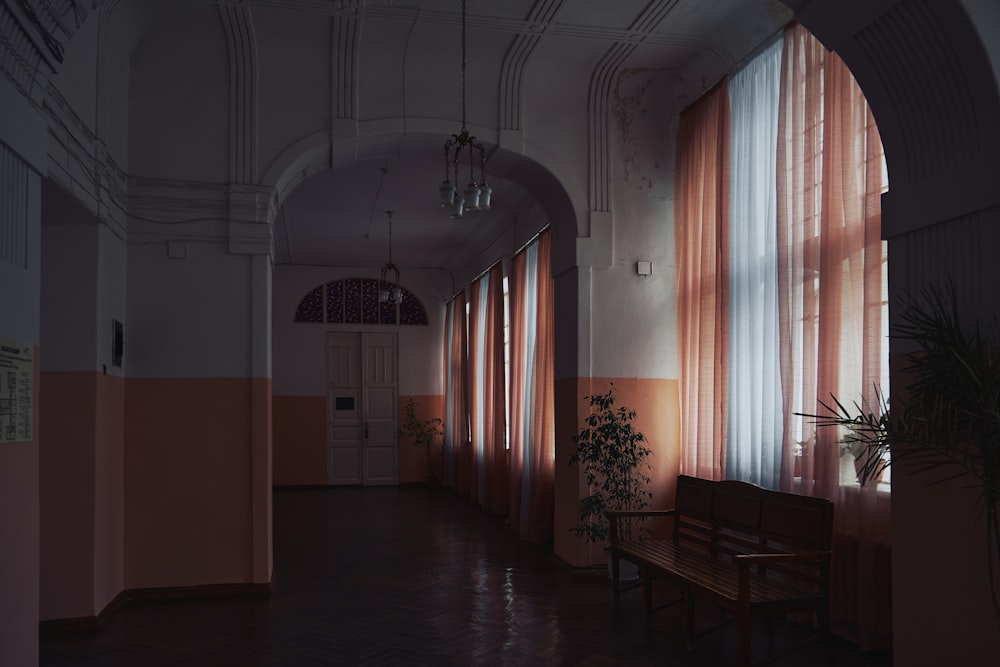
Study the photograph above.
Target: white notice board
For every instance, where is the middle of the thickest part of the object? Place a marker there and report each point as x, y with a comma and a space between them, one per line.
17, 373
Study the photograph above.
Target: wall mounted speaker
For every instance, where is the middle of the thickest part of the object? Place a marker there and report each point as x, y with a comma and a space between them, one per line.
117, 343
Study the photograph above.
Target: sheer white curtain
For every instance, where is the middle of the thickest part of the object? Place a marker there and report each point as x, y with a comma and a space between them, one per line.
478, 361
754, 433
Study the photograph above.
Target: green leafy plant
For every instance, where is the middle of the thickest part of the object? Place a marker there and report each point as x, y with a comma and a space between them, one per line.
866, 433
947, 420
614, 461
422, 432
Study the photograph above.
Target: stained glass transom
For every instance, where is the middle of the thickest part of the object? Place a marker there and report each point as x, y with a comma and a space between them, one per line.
355, 301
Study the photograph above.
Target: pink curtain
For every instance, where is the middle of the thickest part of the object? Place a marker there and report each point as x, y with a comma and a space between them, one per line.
831, 269
456, 427
487, 453
702, 249
832, 288
518, 403
532, 402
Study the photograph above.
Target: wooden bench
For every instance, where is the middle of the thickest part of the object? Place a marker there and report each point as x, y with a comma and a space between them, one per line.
750, 550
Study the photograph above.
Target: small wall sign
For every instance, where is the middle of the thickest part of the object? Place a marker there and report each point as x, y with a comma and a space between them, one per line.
17, 373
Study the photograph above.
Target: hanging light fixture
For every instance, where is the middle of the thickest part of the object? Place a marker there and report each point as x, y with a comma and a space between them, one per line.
476, 196
389, 290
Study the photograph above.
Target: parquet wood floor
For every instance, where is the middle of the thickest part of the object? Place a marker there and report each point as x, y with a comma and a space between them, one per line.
410, 576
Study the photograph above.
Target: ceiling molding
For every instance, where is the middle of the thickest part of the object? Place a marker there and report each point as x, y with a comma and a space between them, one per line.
243, 93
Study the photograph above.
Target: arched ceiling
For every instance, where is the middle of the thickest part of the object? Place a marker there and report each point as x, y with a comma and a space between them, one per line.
399, 91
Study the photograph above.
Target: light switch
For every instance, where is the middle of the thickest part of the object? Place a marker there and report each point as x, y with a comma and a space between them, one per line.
644, 267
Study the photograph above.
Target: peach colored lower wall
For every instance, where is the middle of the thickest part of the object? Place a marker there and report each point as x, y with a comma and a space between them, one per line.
19, 552
109, 490
412, 459
299, 440
67, 453
657, 407
192, 514
81, 438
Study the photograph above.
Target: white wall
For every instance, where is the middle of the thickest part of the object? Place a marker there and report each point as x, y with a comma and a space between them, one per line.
69, 294
188, 317
633, 320
285, 38
179, 98
112, 277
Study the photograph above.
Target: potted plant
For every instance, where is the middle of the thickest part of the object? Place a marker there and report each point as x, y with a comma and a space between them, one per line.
866, 435
614, 459
947, 419
422, 433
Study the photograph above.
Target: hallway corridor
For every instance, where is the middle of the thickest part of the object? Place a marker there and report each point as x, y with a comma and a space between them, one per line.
408, 576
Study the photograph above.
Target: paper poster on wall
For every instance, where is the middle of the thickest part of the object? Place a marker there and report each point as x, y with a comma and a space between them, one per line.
17, 372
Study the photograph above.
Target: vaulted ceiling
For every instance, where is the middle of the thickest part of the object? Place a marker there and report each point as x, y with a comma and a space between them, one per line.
386, 75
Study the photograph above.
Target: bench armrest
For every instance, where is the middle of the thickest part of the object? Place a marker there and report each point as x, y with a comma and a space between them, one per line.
746, 560
639, 513
614, 517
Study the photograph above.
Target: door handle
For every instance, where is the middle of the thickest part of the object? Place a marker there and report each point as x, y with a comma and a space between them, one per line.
366, 430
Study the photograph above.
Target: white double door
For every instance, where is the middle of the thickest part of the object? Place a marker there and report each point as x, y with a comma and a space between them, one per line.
362, 400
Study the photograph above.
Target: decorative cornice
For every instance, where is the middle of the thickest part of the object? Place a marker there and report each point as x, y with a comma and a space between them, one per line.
345, 36
543, 14
243, 92
234, 214
33, 34
80, 162
20, 56
641, 31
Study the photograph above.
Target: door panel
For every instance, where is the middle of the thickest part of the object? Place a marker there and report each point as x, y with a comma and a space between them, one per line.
345, 417
380, 401
362, 400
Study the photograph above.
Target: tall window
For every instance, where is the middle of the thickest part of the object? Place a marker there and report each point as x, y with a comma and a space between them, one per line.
782, 293
781, 268
501, 448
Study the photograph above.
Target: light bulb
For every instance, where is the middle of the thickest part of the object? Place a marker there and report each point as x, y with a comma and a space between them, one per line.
447, 191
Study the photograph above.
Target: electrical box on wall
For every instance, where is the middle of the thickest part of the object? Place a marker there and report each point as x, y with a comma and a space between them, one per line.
117, 342
644, 267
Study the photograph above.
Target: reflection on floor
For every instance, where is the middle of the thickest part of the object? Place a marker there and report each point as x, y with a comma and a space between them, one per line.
412, 576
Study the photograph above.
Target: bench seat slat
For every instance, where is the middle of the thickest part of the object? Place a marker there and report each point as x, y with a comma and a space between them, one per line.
748, 549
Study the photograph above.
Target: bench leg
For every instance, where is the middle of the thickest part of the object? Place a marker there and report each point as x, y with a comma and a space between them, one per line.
647, 585
688, 614
615, 579
823, 619
744, 622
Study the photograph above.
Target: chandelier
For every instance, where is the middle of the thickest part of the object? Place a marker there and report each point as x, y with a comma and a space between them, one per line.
389, 290
475, 197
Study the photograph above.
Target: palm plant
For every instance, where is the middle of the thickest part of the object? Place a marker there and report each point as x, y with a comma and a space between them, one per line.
948, 418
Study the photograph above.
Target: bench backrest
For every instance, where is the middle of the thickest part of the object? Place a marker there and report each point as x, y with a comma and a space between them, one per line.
728, 517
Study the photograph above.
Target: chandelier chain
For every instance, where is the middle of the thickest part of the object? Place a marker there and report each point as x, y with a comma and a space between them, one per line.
389, 214
463, 66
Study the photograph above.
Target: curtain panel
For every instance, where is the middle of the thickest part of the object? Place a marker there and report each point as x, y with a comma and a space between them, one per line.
456, 426
833, 292
532, 402
754, 428
815, 285
701, 211
487, 459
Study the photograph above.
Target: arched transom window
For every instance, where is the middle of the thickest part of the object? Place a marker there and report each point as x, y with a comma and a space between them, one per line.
355, 301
